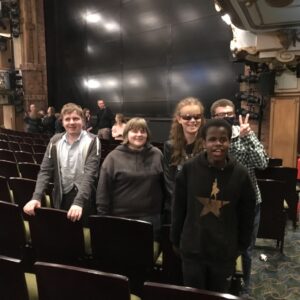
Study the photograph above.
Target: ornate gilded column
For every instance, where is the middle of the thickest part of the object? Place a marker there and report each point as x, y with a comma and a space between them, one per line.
30, 53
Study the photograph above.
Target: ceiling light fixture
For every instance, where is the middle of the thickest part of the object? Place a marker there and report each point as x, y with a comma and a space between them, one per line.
226, 18
93, 18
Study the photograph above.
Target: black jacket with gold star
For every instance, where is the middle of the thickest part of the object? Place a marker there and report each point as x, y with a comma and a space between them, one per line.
213, 210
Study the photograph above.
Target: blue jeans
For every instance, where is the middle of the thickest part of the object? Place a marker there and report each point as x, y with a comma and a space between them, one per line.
247, 255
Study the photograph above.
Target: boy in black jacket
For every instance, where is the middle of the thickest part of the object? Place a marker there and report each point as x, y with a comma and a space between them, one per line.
213, 212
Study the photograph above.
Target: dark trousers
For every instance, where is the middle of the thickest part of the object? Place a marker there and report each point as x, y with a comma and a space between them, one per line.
155, 220
207, 276
67, 199
88, 209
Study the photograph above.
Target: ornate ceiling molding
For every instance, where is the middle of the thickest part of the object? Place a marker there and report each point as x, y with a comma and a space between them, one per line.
262, 15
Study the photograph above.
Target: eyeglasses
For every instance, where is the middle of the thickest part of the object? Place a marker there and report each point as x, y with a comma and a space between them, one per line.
225, 114
190, 117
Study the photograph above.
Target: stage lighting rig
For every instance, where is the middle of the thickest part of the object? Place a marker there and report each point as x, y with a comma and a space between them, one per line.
248, 78
252, 114
249, 98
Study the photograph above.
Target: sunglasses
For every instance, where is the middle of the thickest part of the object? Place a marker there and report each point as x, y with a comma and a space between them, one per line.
224, 115
190, 117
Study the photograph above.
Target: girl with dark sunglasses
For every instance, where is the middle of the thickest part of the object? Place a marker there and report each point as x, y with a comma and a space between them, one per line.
184, 143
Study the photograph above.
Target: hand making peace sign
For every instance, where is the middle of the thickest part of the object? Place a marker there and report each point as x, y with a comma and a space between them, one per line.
244, 125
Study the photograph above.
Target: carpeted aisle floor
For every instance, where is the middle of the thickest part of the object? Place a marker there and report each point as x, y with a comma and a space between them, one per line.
278, 277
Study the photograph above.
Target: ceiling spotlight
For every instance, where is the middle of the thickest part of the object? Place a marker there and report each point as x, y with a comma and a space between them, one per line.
218, 8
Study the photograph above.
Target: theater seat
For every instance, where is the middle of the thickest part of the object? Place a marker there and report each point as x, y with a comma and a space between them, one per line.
61, 282
273, 214
29, 170
159, 291
12, 231
14, 283
22, 156
8, 169
123, 246
7, 155
289, 176
55, 238
5, 193
22, 189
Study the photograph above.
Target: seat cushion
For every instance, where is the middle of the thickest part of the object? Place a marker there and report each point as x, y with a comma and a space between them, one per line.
87, 241
134, 297
31, 286
27, 232
156, 251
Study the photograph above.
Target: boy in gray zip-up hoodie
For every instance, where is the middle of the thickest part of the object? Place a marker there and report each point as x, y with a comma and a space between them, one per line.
71, 161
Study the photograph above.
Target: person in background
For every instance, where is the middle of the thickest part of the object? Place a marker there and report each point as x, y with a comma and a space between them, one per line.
42, 113
118, 128
87, 119
131, 182
184, 143
247, 150
33, 120
32, 108
72, 161
105, 119
58, 124
213, 212
48, 121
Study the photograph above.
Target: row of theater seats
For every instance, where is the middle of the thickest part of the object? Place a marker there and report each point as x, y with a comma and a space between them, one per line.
24, 140
25, 147
21, 169
276, 183
278, 186
32, 140
20, 157
287, 175
19, 190
121, 246
21, 153
60, 282
109, 244
23, 134
36, 143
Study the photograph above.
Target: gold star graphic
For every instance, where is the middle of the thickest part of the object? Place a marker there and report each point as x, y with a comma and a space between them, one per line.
212, 206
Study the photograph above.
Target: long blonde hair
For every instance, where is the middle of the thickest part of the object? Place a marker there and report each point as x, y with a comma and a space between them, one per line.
176, 133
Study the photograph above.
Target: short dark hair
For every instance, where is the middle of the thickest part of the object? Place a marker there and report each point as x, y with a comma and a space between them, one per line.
216, 123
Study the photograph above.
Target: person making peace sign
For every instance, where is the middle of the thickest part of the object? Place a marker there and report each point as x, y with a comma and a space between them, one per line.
246, 149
